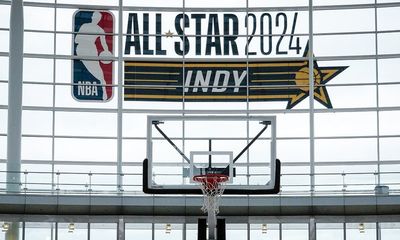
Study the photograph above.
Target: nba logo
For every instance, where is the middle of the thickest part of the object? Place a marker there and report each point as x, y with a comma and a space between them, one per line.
93, 37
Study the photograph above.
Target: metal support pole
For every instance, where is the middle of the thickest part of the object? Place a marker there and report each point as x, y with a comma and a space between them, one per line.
153, 237
311, 93
209, 156
121, 229
212, 224
312, 229
120, 101
378, 231
378, 148
88, 231
183, 231
344, 231
15, 96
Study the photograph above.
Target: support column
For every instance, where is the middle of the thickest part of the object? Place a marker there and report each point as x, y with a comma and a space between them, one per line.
15, 106
311, 94
312, 229
121, 229
120, 101
212, 224
15, 96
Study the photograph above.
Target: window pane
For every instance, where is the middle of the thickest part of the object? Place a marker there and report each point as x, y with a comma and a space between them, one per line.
135, 231
361, 149
344, 45
39, 231
4, 68
38, 70
388, 95
75, 149
389, 148
35, 148
152, 3
345, 124
3, 123
350, 96
44, 22
3, 145
293, 231
387, 69
264, 231
133, 150
354, 20
293, 150
385, 18
37, 95
3, 93
103, 231
277, 3
37, 122
80, 231
236, 231
39, 43
213, 4
330, 231
353, 231
339, 2
4, 16
160, 232
86, 124
4, 38
387, 43
390, 231
191, 231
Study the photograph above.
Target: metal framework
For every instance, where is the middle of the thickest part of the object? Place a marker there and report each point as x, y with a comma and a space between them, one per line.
120, 110
121, 225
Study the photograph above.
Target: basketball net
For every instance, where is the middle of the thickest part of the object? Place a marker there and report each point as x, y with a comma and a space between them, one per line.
212, 186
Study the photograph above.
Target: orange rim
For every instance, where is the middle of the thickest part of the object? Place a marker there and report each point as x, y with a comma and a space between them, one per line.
211, 179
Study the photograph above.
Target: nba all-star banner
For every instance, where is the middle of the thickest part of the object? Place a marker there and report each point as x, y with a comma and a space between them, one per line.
198, 35
92, 79
226, 81
214, 34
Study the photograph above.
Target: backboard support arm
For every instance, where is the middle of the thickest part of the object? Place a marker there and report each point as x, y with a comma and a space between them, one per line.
266, 124
156, 123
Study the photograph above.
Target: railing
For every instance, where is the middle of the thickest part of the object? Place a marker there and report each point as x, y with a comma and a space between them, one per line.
356, 183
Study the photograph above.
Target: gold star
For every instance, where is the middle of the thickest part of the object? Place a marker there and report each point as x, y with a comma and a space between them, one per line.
169, 34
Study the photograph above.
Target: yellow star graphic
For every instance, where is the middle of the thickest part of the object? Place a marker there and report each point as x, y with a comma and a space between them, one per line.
169, 34
321, 76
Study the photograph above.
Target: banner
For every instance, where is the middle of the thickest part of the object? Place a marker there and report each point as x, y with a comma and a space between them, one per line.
226, 81
92, 79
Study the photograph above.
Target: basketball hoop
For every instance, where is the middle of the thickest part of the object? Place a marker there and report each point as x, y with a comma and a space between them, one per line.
212, 186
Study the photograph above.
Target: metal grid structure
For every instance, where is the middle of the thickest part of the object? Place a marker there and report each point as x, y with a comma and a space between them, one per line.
55, 174
118, 111
115, 228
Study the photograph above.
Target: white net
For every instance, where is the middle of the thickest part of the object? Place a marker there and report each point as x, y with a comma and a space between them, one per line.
213, 187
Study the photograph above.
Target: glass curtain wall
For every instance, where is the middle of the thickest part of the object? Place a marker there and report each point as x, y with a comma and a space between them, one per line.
344, 140
253, 231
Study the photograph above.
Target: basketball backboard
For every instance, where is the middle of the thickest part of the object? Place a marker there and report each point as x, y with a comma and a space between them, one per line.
181, 147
